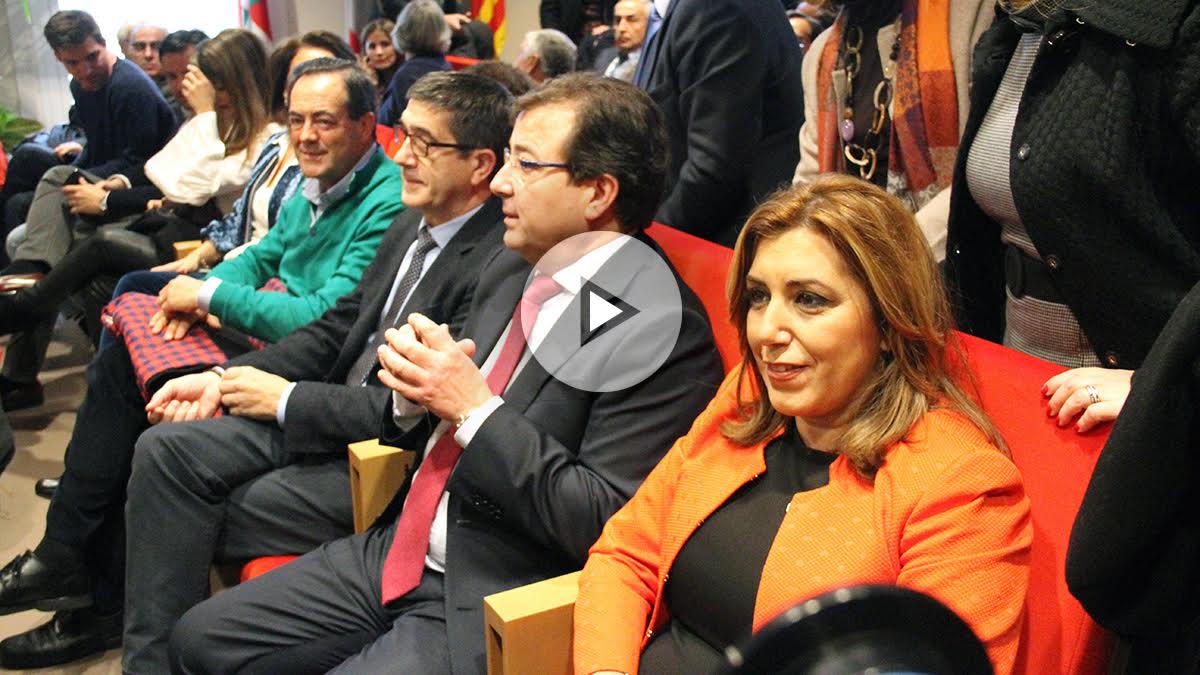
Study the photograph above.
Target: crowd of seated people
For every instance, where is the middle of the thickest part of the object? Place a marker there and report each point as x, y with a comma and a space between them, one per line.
886, 173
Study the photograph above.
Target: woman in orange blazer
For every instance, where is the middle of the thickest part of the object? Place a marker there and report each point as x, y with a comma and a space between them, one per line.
864, 462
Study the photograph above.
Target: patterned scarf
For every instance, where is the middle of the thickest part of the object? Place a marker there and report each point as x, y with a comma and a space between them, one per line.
924, 130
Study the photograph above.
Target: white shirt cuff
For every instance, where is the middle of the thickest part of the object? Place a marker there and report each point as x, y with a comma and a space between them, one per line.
405, 413
124, 179
281, 409
475, 420
207, 290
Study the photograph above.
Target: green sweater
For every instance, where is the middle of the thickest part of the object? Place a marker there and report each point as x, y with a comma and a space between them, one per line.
318, 264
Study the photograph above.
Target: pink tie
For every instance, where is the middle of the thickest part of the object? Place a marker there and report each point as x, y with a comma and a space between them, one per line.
405, 560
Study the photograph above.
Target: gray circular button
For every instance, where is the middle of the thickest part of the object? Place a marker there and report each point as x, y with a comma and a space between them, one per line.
624, 318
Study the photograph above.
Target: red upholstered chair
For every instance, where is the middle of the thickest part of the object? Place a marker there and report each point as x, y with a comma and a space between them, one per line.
1056, 464
389, 139
460, 62
704, 267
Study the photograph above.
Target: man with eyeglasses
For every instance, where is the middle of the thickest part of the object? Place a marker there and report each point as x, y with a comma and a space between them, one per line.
322, 240
277, 477
520, 470
144, 41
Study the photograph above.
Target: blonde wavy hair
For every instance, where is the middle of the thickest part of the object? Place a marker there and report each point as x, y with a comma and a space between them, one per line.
881, 245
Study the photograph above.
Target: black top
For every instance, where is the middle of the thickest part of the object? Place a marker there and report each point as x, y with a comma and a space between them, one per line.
714, 580
1101, 153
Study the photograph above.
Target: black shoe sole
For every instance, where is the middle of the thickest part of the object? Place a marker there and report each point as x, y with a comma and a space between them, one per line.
75, 653
50, 604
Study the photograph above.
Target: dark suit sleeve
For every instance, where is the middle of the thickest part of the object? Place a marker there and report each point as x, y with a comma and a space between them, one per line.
561, 497
715, 59
323, 417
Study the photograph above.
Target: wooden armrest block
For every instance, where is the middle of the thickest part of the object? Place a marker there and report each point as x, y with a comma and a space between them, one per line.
376, 473
182, 248
529, 629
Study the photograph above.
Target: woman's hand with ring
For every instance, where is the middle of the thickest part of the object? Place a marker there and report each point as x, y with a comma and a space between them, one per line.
1087, 396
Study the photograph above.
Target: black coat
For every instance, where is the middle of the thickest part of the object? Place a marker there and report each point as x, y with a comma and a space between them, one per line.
1105, 155
1134, 557
726, 74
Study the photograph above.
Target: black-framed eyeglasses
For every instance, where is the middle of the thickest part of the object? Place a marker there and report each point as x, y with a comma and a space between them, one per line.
420, 146
528, 166
143, 46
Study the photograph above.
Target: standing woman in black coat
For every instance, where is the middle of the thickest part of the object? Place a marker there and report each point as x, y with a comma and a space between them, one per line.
1075, 219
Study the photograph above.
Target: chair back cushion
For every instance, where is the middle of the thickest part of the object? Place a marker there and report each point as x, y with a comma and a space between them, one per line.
1056, 465
704, 267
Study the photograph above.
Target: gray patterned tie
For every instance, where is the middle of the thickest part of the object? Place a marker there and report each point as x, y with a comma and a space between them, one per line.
365, 365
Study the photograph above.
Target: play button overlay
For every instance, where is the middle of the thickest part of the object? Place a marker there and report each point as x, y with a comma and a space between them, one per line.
600, 312
622, 318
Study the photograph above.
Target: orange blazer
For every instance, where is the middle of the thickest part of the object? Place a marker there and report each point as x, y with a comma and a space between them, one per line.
946, 515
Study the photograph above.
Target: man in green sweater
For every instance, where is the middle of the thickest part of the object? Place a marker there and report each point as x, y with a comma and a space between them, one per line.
319, 246
324, 237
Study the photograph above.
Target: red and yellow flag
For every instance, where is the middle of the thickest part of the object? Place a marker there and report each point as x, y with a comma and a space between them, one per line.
491, 12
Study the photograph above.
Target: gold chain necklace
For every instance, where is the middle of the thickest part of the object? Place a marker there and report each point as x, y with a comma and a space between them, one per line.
864, 155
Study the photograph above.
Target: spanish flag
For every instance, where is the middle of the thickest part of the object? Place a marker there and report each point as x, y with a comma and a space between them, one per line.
491, 12
255, 19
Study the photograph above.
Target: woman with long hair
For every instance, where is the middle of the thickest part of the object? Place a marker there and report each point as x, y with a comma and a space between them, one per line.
380, 57
843, 450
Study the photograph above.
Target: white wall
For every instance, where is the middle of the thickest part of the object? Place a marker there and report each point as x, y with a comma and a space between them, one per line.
522, 18
32, 82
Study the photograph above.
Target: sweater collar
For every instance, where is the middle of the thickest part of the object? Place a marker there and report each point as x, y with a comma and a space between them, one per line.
1153, 23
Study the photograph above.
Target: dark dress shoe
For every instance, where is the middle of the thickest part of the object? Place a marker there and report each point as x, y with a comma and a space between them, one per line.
29, 583
20, 395
45, 488
71, 635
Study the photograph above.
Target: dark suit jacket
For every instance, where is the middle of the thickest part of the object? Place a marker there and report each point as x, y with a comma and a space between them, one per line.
726, 73
323, 414
543, 474
567, 16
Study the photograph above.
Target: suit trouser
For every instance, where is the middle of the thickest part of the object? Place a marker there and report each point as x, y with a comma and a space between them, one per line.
319, 612
220, 489
87, 510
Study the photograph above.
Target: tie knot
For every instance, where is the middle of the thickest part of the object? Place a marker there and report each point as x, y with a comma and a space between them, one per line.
542, 288
425, 241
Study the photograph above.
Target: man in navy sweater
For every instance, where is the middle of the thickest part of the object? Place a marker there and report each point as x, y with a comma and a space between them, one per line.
126, 120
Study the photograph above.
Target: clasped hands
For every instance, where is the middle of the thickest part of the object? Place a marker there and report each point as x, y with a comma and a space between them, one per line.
244, 391
423, 363
179, 308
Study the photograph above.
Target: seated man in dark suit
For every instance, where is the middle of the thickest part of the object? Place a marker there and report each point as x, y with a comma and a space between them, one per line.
323, 238
271, 478
543, 463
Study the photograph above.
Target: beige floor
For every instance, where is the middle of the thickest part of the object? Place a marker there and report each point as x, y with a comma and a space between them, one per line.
41, 434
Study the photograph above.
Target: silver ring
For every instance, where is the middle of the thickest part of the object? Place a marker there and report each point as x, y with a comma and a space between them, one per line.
1092, 393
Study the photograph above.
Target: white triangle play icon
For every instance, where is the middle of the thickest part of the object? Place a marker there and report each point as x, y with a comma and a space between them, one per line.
602, 311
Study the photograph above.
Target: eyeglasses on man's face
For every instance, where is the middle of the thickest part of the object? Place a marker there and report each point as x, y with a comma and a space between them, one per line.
527, 168
420, 146
142, 46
